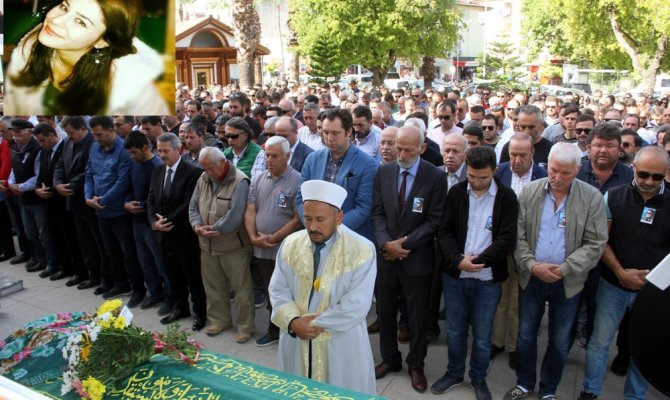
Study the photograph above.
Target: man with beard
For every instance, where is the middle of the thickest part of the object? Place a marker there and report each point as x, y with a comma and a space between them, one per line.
366, 135
408, 201
239, 104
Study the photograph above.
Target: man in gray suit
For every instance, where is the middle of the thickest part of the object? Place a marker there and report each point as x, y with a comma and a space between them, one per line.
453, 153
408, 200
553, 259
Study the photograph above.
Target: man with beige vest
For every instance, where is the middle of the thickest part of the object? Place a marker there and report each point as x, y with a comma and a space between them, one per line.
216, 213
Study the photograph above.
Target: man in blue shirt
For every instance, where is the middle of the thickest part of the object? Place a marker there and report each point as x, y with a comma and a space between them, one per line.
107, 181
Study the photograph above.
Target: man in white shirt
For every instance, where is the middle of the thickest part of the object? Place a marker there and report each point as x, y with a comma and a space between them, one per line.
446, 112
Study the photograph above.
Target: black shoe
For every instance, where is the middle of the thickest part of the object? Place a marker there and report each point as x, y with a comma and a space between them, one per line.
89, 283
117, 291
31, 262
101, 290
259, 299
165, 309
175, 315
620, 365
36, 267
5, 256
495, 350
135, 299
432, 334
150, 302
198, 323
48, 272
20, 259
587, 396
75, 280
59, 275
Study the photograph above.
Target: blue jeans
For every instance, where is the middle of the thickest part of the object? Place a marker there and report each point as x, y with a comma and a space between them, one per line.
468, 302
612, 303
151, 260
34, 218
562, 321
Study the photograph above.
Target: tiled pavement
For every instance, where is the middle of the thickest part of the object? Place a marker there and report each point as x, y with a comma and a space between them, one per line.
42, 296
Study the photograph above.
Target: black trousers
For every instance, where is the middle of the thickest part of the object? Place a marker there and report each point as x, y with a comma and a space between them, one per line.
64, 235
91, 247
6, 239
182, 263
391, 283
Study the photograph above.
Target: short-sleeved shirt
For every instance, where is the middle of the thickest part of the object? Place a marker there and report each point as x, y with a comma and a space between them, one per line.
274, 199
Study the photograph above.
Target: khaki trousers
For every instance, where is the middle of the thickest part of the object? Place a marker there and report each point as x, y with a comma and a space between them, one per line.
507, 314
220, 275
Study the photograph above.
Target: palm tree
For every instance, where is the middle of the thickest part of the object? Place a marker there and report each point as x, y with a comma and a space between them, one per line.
247, 31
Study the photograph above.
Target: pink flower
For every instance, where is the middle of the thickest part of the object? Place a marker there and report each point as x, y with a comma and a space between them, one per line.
22, 354
76, 384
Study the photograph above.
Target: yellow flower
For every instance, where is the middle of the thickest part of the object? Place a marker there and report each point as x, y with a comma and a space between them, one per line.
84, 351
94, 388
109, 305
119, 323
317, 284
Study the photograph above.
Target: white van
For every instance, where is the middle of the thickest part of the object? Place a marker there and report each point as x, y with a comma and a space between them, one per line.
662, 85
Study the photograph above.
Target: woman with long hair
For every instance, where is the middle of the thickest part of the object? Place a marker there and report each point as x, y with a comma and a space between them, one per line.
84, 59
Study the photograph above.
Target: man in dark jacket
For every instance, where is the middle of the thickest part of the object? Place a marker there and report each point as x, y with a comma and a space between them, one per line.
478, 231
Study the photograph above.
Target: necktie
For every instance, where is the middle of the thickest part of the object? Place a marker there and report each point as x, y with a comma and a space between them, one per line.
403, 189
168, 183
317, 260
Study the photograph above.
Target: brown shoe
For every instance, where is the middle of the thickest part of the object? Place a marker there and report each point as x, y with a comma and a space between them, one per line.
403, 334
373, 327
214, 330
419, 382
382, 369
242, 337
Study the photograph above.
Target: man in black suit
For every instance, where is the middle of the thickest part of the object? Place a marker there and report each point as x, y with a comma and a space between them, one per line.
287, 128
59, 221
408, 202
68, 179
167, 208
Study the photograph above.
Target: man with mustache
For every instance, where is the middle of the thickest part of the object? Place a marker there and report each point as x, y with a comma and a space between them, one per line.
321, 291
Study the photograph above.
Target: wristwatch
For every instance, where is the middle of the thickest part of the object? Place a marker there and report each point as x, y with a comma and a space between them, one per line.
288, 328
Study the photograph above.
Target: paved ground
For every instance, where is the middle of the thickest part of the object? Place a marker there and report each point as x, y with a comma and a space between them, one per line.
42, 296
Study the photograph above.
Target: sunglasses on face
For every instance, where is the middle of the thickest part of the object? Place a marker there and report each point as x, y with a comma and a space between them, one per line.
646, 175
583, 130
232, 136
488, 127
444, 117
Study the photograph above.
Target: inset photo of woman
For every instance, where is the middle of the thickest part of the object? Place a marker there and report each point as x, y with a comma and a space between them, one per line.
88, 57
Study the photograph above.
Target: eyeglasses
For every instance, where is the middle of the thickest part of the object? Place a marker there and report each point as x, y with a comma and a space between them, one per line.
486, 93
460, 110
646, 175
269, 134
232, 136
447, 117
626, 145
488, 127
583, 130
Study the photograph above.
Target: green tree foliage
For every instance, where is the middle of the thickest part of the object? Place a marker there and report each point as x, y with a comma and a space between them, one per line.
374, 33
325, 60
500, 59
606, 33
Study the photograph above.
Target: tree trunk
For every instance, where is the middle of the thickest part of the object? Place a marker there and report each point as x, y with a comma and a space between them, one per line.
378, 74
247, 31
258, 70
645, 65
428, 72
294, 68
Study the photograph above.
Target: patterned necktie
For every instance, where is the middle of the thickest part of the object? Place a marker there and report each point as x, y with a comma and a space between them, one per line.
403, 189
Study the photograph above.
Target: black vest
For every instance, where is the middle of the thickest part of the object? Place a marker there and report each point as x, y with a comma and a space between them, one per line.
23, 165
637, 244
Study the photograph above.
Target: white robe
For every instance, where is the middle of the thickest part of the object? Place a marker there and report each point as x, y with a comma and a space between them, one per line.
347, 282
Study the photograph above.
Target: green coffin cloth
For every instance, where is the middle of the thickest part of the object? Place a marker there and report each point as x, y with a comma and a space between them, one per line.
32, 356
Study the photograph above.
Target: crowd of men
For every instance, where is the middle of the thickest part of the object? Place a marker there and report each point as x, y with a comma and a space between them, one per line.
493, 204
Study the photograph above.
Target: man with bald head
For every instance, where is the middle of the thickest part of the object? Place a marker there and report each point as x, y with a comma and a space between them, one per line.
404, 230
638, 241
453, 153
387, 145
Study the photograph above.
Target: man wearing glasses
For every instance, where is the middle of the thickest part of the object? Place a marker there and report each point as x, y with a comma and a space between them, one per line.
551, 108
583, 127
638, 241
446, 113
